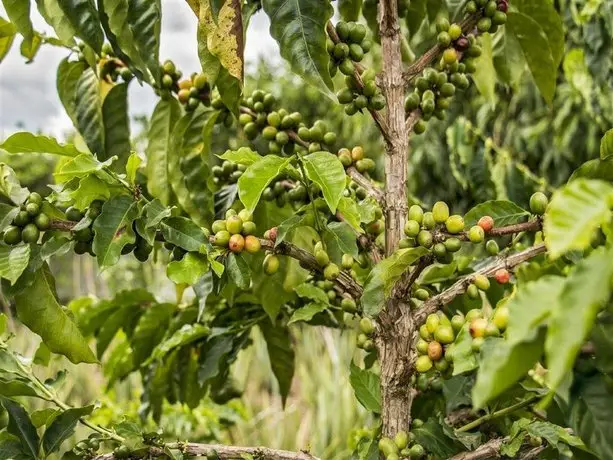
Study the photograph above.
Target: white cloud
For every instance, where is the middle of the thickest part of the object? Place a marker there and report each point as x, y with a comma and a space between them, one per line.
28, 95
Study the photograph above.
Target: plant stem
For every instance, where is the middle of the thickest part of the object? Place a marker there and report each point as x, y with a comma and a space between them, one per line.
498, 413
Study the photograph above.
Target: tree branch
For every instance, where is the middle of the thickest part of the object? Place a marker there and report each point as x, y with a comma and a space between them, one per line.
308, 261
530, 226
410, 277
379, 120
445, 297
490, 449
367, 185
223, 452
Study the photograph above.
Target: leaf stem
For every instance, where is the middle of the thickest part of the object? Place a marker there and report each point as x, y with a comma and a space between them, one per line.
497, 414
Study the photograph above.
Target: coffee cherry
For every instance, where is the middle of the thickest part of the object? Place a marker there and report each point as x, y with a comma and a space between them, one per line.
442, 25
492, 248
452, 244
42, 221
454, 224
435, 351
73, 214
486, 223
388, 447
416, 213
424, 333
482, 282
331, 271
367, 326
444, 334
85, 235
455, 31
32, 209
347, 261
236, 243
484, 25
440, 212
450, 56
252, 244
502, 276
21, 219
476, 234
473, 314
477, 327
501, 317
222, 238
30, 234
412, 228
417, 451
234, 225
444, 39
428, 221
425, 239
422, 347
401, 439
12, 235
432, 322
420, 127
477, 344
423, 364
322, 258
473, 292
271, 264
538, 203
457, 322
491, 330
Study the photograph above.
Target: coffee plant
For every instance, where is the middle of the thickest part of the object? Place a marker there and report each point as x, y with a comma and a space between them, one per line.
485, 332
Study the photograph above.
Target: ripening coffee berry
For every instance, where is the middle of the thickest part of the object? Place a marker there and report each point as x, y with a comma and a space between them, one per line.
440, 212
477, 327
388, 447
501, 317
491, 330
482, 282
455, 224
322, 257
453, 244
222, 238
435, 351
486, 223
271, 264
347, 261
455, 31
412, 228
272, 234
450, 56
401, 439
422, 347
423, 364
236, 243
424, 333
476, 234
502, 276
492, 248
538, 203
477, 344
444, 334
432, 322
252, 244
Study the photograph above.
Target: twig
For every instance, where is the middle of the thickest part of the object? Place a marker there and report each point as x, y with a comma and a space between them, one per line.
308, 261
490, 449
410, 277
531, 226
223, 452
445, 297
497, 414
367, 185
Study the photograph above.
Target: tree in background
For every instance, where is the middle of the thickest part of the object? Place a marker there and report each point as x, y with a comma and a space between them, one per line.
484, 333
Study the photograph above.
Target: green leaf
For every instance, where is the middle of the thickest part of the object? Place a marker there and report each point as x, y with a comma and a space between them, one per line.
43, 416
10, 186
547, 17
555, 435
39, 310
13, 261
287, 226
383, 277
132, 166
18, 12
163, 120
350, 212
299, 27
29, 48
431, 435
238, 270
464, 357
113, 229
606, 145
63, 427
84, 19
150, 330
90, 188
340, 239
281, 355
587, 290
366, 387
485, 75
242, 156
25, 142
309, 291
17, 386
189, 333
306, 313
80, 166
88, 111
350, 9
145, 18
116, 125
594, 169
574, 213
257, 177
327, 171
182, 232
590, 416
503, 212
437, 273
21, 426
535, 45
7, 35
188, 270
55, 17
68, 76
501, 365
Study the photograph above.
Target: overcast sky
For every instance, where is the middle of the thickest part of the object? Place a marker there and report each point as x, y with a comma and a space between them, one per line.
28, 95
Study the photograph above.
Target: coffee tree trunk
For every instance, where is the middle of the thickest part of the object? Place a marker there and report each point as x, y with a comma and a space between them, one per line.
394, 339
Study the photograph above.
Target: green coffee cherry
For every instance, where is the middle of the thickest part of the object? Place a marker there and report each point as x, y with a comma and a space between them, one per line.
423, 364
416, 213
453, 244
322, 258
454, 224
30, 233
367, 326
425, 239
473, 292
401, 439
492, 248
331, 271
42, 221
482, 282
348, 305
440, 212
12, 235
428, 221
444, 334
412, 228
271, 264
347, 261
538, 203
476, 234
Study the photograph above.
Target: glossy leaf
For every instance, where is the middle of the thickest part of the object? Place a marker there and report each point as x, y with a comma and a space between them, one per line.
350, 212
113, 229
574, 213
187, 270
432, 437
63, 427
7, 36
18, 12
55, 17
29, 48
340, 239
238, 270
383, 277
17, 386
285, 228
25, 142
150, 330
144, 18
546, 15
189, 333
310, 291
503, 212
242, 156
182, 232
116, 125
257, 177
306, 313
281, 355
606, 145
40, 311
326, 170
535, 45
299, 27
80, 166
485, 75
90, 188
465, 359
21, 426
587, 290
367, 388
88, 111
10, 186
13, 261
594, 169
84, 19
68, 75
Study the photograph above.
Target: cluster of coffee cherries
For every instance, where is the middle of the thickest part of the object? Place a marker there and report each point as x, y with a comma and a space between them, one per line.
191, 92
364, 339
283, 190
493, 12
236, 232
84, 236
111, 68
362, 94
353, 44
87, 448
355, 157
435, 335
403, 445
227, 173
271, 262
29, 222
